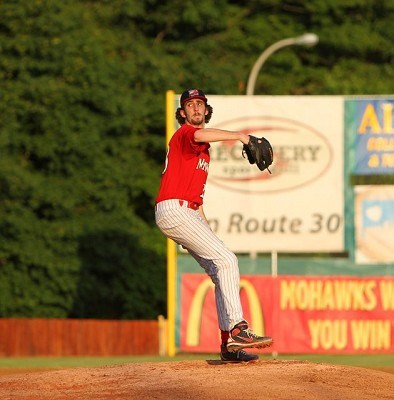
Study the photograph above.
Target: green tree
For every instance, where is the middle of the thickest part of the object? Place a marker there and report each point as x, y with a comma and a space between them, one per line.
75, 173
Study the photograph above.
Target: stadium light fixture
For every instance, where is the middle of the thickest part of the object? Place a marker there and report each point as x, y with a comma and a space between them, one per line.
307, 40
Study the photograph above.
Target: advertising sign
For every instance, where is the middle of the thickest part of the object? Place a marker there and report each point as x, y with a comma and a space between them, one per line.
344, 315
374, 224
297, 208
371, 124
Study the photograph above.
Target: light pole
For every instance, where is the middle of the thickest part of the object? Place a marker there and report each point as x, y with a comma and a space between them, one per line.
307, 39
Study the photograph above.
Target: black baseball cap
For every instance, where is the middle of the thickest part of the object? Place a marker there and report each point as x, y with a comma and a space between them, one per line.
192, 94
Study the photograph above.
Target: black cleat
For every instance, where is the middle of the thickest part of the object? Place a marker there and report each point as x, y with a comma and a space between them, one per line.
242, 337
236, 356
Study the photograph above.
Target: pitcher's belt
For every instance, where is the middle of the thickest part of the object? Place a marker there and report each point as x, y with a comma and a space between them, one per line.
182, 203
189, 204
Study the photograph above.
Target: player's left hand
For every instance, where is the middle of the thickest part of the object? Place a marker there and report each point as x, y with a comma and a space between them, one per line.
259, 151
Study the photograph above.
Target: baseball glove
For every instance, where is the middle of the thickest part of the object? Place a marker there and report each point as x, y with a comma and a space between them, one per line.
259, 151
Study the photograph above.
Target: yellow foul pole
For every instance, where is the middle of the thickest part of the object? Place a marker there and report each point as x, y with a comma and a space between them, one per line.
171, 246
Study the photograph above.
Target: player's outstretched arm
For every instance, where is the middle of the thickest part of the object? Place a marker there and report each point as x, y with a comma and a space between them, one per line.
219, 135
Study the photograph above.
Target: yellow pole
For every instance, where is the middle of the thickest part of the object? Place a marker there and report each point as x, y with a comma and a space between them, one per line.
171, 246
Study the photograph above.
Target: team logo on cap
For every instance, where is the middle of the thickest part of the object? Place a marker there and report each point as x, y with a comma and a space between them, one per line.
194, 92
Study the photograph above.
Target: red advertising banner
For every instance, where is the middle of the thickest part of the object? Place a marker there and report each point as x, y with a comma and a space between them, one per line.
344, 315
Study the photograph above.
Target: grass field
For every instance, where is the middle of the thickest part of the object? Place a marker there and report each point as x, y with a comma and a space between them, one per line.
372, 361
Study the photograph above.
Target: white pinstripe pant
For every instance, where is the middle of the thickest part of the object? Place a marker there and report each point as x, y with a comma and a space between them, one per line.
188, 228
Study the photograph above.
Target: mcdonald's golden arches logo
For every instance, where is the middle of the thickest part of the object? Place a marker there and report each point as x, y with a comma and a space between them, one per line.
193, 327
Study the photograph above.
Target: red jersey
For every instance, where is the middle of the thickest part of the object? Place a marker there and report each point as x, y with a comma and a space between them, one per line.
186, 168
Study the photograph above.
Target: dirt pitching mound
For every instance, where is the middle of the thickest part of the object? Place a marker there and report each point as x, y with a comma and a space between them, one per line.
209, 379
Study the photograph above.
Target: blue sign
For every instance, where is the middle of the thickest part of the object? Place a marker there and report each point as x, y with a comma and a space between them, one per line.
374, 136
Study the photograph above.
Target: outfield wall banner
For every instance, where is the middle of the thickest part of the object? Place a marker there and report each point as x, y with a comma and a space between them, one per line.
327, 315
371, 126
297, 208
374, 224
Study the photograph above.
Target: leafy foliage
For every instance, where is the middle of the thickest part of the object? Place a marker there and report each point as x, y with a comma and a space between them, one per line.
82, 86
